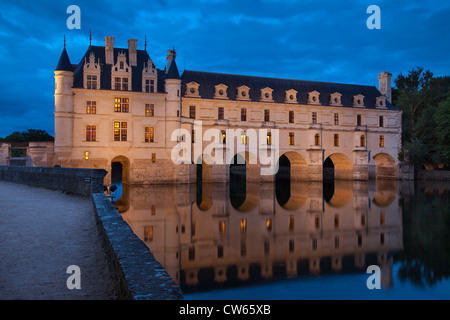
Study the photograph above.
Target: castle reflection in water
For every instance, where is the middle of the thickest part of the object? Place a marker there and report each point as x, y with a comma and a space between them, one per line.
208, 237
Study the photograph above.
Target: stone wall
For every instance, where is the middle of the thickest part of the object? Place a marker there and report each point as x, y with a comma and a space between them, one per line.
78, 181
136, 273
434, 175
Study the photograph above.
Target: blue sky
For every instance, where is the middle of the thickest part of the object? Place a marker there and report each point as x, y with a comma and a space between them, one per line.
309, 40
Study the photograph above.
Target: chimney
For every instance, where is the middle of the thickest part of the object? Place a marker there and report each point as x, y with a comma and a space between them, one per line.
109, 50
384, 85
171, 55
132, 52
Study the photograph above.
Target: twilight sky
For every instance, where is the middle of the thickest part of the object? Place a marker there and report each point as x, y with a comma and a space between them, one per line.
308, 40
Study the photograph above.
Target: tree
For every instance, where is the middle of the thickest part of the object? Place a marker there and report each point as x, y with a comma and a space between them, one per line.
442, 119
31, 135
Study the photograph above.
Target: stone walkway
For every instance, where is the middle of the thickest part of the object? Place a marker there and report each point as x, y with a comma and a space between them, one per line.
42, 232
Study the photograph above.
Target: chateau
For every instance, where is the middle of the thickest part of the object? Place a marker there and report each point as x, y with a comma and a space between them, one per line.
116, 109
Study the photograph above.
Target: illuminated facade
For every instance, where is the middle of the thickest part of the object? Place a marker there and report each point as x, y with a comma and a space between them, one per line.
115, 106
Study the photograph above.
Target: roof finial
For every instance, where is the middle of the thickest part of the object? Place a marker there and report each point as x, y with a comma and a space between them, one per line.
64, 41
90, 37
145, 43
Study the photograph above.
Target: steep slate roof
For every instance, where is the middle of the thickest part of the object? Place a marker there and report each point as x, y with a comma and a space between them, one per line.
208, 81
105, 77
64, 62
173, 71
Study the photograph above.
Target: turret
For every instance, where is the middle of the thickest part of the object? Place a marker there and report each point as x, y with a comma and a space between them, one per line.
63, 106
384, 85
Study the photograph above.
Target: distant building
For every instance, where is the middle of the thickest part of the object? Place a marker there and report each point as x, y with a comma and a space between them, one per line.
116, 107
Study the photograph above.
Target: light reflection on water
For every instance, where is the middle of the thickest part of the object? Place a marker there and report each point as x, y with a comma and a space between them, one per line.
297, 240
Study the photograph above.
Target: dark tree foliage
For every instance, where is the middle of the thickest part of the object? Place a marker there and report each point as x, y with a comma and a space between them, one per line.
422, 98
31, 135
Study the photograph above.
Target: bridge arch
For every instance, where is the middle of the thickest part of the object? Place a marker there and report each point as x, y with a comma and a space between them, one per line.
337, 166
385, 166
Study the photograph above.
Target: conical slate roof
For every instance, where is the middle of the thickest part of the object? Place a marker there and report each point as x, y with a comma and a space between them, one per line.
64, 62
173, 71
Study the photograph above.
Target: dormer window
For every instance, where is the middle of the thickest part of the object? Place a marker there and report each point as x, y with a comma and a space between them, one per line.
192, 89
149, 77
266, 94
243, 93
92, 71
221, 91
381, 102
313, 97
291, 96
121, 74
358, 101
335, 99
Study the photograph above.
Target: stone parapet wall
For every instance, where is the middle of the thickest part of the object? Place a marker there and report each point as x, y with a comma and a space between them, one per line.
78, 181
136, 273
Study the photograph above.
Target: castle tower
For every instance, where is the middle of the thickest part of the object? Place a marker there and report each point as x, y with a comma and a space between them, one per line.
63, 108
384, 85
173, 102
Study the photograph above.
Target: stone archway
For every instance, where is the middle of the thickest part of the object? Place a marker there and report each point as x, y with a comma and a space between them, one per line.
385, 167
338, 166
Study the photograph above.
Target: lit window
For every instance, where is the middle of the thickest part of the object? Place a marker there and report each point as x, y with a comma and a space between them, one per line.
243, 225
362, 141
121, 105
91, 107
148, 233
120, 131
269, 225
266, 115
224, 136
222, 227
149, 110
243, 114
317, 139
149, 134
244, 137
269, 138
336, 140
86, 155
91, 133
314, 117
220, 113
381, 141
192, 112
291, 138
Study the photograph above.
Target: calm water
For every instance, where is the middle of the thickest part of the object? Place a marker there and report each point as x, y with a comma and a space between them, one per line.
297, 240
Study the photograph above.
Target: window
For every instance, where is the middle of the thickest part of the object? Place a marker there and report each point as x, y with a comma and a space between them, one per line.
91, 82
291, 138
381, 121
269, 138
121, 65
220, 113
91, 133
91, 107
149, 110
362, 141
149, 134
291, 116
243, 225
86, 155
244, 137
336, 119
291, 223
336, 140
336, 221
121, 105
120, 131
149, 86
224, 136
358, 120
243, 114
192, 112
153, 157
317, 139
266, 115
148, 233
314, 117
121, 84
381, 141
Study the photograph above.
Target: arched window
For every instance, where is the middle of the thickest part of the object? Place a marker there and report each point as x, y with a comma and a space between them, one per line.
317, 139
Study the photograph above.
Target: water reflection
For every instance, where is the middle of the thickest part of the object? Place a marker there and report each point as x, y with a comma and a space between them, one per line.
222, 235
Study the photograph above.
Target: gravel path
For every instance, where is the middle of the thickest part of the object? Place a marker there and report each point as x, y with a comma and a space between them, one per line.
42, 232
